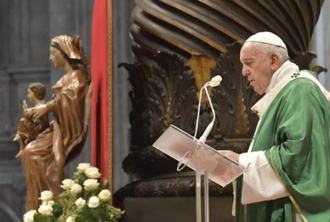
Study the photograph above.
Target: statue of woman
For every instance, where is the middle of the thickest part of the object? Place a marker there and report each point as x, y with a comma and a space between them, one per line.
29, 128
45, 157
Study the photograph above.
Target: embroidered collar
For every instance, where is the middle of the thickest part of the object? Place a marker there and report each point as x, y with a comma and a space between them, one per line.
280, 80
287, 69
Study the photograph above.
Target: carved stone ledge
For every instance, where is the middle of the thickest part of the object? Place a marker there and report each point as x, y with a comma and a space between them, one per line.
168, 185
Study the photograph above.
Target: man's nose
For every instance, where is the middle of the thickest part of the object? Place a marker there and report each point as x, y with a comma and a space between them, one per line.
245, 72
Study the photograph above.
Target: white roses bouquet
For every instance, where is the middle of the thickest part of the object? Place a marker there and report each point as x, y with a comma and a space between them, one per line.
82, 200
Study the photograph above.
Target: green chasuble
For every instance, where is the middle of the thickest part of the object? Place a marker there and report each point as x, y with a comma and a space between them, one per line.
295, 133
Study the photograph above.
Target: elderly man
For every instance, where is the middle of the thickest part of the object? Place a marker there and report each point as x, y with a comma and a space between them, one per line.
288, 174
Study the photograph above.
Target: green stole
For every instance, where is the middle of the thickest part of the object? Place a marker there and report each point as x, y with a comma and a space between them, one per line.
294, 133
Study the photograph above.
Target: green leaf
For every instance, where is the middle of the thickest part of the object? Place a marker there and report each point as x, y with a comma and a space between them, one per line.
41, 218
104, 184
57, 210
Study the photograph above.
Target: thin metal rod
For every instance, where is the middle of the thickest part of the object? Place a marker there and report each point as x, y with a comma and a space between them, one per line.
206, 197
198, 197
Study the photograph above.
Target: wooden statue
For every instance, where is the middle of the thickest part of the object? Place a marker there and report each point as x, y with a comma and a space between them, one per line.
29, 128
45, 157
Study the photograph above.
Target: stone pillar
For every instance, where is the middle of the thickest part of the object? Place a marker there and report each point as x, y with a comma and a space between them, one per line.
324, 46
121, 107
320, 44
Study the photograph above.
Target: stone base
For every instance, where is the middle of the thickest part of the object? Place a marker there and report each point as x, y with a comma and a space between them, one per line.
174, 209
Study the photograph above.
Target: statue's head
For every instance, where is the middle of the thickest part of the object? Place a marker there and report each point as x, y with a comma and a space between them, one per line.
65, 49
38, 90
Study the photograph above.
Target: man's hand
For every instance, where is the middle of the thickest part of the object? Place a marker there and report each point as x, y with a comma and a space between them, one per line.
230, 154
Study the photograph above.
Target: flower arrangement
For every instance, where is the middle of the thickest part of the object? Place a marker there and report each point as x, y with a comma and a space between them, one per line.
82, 200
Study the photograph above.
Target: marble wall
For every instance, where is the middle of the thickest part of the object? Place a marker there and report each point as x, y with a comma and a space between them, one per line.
23, 59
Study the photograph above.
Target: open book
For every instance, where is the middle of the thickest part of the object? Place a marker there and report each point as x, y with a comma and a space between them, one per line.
188, 151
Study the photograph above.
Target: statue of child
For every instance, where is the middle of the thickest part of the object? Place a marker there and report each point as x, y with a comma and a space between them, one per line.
29, 127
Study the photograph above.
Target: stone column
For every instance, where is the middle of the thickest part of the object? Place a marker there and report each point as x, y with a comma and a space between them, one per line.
320, 44
121, 106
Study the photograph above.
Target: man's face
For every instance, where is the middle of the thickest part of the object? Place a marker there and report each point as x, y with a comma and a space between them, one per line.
256, 67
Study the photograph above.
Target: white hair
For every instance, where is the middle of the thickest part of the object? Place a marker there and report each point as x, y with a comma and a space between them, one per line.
267, 49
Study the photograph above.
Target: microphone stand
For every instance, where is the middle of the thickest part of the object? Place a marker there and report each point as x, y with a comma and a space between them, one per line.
215, 81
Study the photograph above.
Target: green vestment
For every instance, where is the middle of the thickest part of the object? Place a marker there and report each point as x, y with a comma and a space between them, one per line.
294, 133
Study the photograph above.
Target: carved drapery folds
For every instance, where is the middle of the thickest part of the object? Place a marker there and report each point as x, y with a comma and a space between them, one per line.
179, 46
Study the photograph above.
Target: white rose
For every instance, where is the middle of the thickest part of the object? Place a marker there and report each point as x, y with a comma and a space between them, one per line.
67, 184
82, 167
91, 184
46, 195
104, 195
93, 202
80, 203
45, 210
92, 172
29, 216
76, 188
69, 219
49, 203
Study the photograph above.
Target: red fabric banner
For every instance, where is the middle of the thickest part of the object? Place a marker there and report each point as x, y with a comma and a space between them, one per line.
99, 75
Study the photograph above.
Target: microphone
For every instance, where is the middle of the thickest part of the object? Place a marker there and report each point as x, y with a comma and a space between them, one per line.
214, 82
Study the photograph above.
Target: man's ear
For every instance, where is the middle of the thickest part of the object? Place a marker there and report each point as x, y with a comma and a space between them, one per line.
275, 61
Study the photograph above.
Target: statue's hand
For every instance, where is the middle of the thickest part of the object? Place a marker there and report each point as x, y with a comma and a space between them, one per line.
28, 113
39, 111
24, 106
